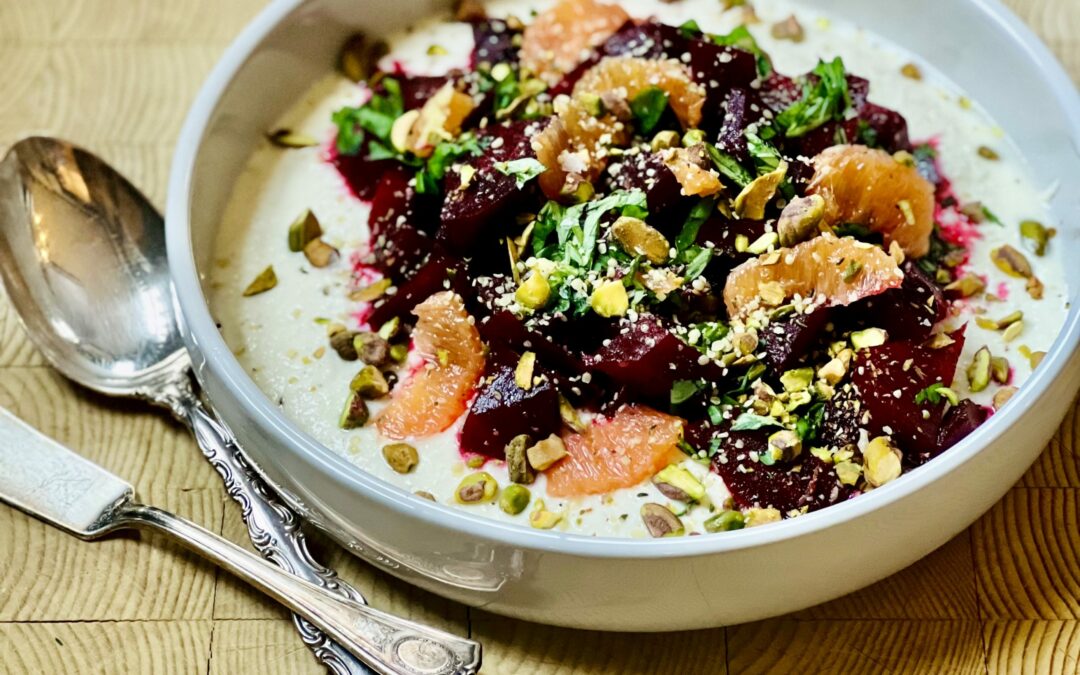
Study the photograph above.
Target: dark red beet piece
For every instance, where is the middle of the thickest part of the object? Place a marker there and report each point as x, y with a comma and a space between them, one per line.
737, 117
440, 272
721, 233
788, 341
779, 91
648, 173
361, 175
889, 126
754, 484
503, 410
493, 42
398, 251
504, 330
648, 40
417, 89
390, 200
647, 359
720, 69
906, 313
960, 421
889, 377
490, 194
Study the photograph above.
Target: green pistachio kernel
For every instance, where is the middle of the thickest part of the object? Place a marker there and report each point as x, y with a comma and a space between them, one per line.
869, 337
355, 413
517, 461
1035, 235
266, 280
978, 372
514, 499
675, 482
797, 379
725, 521
401, 457
303, 230
475, 488
370, 383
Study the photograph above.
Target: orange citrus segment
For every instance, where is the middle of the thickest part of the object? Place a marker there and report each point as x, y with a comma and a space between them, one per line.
870, 187
838, 271
438, 393
576, 140
694, 179
617, 452
560, 38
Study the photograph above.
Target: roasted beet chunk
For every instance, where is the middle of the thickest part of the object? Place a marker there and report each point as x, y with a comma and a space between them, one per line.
720, 69
489, 194
648, 40
398, 251
889, 378
789, 340
439, 273
493, 42
648, 173
906, 313
805, 482
737, 117
362, 175
417, 89
504, 330
960, 421
722, 234
390, 201
503, 410
646, 358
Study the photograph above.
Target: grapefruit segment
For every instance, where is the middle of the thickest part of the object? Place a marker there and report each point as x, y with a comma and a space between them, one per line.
561, 37
618, 452
439, 392
838, 271
869, 187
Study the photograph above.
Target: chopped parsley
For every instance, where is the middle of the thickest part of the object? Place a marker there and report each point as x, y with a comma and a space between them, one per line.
748, 421
371, 122
825, 98
442, 157
698, 215
728, 166
809, 425
648, 107
935, 393
521, 170
766, 157
684, 390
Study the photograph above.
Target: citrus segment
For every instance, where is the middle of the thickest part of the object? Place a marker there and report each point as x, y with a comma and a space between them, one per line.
618, 452
439, 392
837, 271
561, 37
870, 187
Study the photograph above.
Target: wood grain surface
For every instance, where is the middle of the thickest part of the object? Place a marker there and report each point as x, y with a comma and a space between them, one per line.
117, 76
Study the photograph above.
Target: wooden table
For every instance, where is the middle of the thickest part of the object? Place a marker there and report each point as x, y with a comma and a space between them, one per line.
117, 76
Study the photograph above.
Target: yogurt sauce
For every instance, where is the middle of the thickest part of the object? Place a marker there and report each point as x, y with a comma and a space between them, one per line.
280, 336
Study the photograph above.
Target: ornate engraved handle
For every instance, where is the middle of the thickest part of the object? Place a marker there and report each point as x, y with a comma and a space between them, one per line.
388, 644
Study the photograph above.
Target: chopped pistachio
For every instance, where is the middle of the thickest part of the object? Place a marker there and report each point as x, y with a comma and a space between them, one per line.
675, 482
745, 342
372, 349
664, 140
967, 286
371, 292
1002, 396
341, 341
763, 243
401, 457
591, 103
742, 242
759, 516
978, 373
1011, 262
467, 172
546, 452
287, 138
638, 238
752, 200
534, 292
390, 329
693, 137
437, 50
514, 499
800, 219
939, 340
370, 383
999, 324
424, 494
523, 373
660, 521
569, 415
1034, 287
725, 521
837, 367
1035, 235
911, 71
443, 357
358, 57
999, 369
772, 293
517, 461
852, 270
784, 445
906, 210
501, 71
577, 189
848, 472
266, 280
475, 488
355, 413
789, 29
610, 299
797, 379
881, 462
542, 519
319, 253
302, 230
868, 337
1013, 331
988, 153
476, 461
402, 127
398, 353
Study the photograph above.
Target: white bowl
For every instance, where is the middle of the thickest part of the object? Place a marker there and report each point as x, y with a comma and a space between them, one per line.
606, 583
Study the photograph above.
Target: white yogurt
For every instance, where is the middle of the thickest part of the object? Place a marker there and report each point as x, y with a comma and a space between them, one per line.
280, 336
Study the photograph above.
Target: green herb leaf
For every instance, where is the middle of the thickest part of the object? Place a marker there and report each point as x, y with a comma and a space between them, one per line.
992, 217
716, 416
690, 29
698, 263
809, 425
521, 170
931, 394
684, 390
766, 157
376, 117
579, 228
728, 166
749, 422
698, 215
822, 101
648, 107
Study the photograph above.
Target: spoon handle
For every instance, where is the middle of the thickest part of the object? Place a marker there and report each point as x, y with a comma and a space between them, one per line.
274, 528
390, 645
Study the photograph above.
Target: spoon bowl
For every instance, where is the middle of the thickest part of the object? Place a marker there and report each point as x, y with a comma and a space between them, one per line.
82, 256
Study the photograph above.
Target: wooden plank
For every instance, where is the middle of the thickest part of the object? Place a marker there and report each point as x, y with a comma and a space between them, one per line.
1059, 464
1057, 22
1035, 647
259, 647
940, 586
852, 647
1027, 556
106, 648
518, 647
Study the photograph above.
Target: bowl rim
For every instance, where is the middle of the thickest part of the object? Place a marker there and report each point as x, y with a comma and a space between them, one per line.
220, 360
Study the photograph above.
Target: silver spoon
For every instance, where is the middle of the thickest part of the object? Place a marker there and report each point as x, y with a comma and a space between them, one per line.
82, 257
